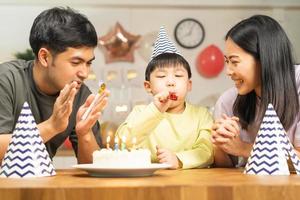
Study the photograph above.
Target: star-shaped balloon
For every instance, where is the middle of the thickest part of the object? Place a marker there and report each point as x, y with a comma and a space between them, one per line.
118, 45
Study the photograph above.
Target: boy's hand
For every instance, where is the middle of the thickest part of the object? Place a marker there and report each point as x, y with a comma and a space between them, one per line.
162, 101
168, 157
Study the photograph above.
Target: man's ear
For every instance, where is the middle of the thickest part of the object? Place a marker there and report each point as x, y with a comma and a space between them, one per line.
147, 86
44, 56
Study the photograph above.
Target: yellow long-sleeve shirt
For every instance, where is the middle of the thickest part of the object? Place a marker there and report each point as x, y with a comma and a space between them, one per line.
187, 134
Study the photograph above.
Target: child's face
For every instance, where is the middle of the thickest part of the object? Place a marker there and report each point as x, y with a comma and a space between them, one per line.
171, 79
242, 68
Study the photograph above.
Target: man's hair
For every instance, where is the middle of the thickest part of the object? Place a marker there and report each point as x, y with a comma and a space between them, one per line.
59, 28
166, 60
264, 39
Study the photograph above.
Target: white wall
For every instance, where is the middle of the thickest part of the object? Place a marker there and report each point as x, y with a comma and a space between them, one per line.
142, 17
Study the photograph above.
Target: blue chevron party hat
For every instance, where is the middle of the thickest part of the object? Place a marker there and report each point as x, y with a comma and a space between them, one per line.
163, 44
26, 155
272, 148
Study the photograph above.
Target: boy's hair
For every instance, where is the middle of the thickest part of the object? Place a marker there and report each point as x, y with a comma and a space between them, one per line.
60, 28
263, 38
164, 60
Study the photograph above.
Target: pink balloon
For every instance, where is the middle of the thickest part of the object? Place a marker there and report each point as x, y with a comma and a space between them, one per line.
210, 62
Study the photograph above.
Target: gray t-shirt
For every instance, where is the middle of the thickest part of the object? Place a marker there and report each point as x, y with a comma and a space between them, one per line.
225, 105
17, 86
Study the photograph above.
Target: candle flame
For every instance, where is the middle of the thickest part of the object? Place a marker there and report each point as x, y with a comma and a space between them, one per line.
116, 140
124, 138
107, 139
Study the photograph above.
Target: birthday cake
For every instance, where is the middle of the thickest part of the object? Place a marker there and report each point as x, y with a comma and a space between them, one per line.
124, 158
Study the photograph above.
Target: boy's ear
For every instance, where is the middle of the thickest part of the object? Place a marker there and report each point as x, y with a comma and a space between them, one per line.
43, 56
147, 86
190, 84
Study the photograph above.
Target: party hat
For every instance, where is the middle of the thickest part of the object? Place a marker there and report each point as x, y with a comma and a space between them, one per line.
26, 155
163, 44
272, 148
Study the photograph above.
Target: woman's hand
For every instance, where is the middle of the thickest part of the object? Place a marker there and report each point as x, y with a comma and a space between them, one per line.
236, 147
225, 135
225, 128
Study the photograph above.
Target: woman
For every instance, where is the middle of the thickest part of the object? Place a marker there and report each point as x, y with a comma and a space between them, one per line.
259, 61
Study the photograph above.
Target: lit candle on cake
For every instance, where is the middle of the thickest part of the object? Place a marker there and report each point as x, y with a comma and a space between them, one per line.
107, 142
133, 143
116, 144
123, 144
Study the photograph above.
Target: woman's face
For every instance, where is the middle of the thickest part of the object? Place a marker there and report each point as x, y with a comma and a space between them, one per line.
242, 68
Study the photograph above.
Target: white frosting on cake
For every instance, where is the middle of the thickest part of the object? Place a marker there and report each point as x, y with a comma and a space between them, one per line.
124, 158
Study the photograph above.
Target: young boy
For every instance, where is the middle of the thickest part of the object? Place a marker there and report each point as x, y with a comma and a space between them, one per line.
176, 132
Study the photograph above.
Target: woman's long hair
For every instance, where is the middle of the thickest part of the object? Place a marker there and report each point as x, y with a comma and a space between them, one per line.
263, 38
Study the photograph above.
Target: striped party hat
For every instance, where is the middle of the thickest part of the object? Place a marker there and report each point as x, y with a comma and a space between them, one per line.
163, 44
272, 149
26, 155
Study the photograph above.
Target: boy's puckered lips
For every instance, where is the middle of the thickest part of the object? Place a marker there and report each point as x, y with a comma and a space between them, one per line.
173, 96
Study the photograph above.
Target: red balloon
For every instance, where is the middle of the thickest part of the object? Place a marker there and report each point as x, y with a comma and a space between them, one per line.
210, 62
67, 144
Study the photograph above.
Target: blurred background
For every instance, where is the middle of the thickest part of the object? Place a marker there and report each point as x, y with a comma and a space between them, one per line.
127, 30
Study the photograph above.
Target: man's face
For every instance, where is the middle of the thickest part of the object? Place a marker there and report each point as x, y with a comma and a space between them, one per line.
71, 65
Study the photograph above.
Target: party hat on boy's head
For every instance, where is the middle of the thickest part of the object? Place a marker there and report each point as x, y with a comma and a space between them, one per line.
272, 148
163, 44
26, 155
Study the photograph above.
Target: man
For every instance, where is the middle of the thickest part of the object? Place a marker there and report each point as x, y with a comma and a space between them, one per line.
63, 42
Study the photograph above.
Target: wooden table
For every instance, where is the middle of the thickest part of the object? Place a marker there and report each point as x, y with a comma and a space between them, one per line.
193, 184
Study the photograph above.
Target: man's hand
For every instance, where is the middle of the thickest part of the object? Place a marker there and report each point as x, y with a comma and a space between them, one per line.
84, 126
168, 157
62, 108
